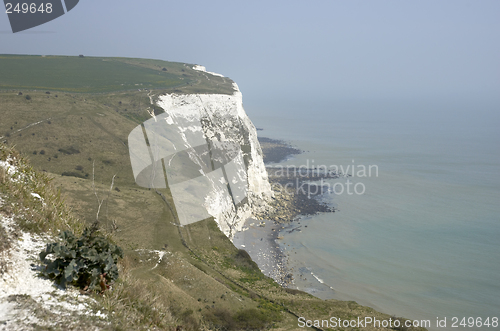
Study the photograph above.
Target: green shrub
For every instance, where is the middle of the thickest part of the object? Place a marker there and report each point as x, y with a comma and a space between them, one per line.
73, 174
82, 261
221, 319
69, 150
294, 291
247, 319
255, 319
245, 263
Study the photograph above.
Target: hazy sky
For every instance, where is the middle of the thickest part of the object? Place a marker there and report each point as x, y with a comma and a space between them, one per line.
293, 49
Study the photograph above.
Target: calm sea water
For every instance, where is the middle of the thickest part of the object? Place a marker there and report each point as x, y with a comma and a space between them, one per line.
422, 241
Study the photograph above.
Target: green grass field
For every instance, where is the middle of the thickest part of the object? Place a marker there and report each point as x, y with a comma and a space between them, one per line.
101, 75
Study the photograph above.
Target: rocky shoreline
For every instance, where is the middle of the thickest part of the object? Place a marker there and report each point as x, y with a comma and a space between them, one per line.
276, 151
295, 195
295, 188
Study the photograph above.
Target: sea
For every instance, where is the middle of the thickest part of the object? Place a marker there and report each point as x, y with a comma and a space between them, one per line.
418, 236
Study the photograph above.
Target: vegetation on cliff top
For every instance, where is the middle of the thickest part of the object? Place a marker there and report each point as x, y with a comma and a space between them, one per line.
105, 75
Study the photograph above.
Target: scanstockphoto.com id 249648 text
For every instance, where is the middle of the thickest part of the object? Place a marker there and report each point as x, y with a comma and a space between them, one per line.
393, 322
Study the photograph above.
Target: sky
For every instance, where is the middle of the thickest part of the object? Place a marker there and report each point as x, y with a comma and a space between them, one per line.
293, 51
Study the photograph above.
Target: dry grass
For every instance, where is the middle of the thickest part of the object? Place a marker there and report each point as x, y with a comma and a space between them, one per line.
32, 199
135, 304
4, 249
4, 241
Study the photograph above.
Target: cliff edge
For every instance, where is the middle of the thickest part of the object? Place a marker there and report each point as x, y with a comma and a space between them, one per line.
204, 148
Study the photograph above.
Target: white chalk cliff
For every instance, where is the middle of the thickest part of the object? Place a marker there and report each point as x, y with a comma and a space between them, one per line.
212, 159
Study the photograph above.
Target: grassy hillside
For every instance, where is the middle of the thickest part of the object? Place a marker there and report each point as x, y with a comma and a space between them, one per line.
101, 75
191, 276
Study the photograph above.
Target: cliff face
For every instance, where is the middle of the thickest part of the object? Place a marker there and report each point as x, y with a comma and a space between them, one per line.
205, 149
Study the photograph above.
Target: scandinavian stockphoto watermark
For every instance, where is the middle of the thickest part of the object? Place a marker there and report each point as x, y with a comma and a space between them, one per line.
26, 14
311, 179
